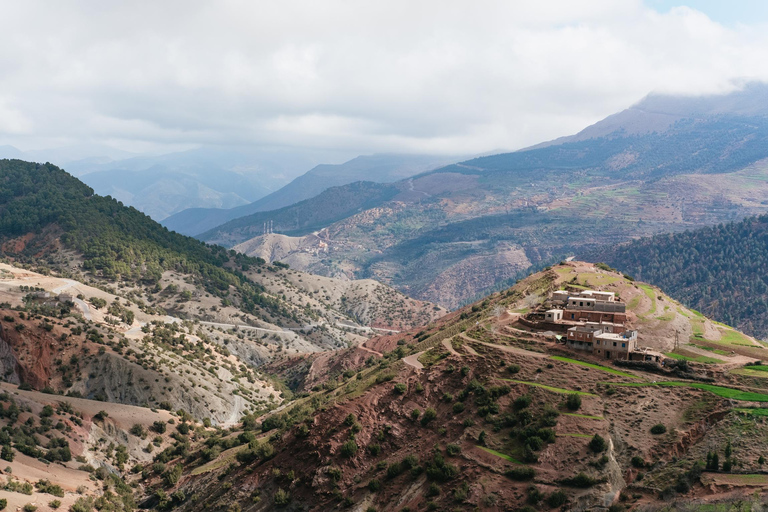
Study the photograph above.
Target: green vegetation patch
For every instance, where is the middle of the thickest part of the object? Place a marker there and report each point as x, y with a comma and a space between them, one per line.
732, 337
695, 358
587, 436
549, 388
651, 294
714, 350
749, 373
499, 454
595, 366
734, 394
754, 411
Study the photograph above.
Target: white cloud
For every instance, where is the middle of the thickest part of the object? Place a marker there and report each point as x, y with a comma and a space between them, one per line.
437, 76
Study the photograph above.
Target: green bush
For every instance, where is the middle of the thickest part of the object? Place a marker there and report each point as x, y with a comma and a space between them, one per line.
522, 402
638, 462
557, 499
659, 428
394, 470
573, 402
581, 480
513, 368
349, 449
597, 444
374, 485
400, 388
281, 498
453, 449
521, 473
429, 415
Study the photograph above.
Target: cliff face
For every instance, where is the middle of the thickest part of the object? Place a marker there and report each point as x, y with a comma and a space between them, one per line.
26, 355
9, 365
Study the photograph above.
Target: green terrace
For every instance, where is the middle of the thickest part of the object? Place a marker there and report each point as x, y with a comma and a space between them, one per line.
595, 366
549, 388
499, 454
734, 394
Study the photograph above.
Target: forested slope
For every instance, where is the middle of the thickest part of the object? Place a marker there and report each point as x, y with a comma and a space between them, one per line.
722, 270
40, 203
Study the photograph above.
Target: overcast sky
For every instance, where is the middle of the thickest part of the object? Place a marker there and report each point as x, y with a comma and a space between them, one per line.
410, 76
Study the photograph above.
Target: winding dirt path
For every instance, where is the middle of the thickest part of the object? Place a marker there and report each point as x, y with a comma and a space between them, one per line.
413, 360
449, 346
363, 347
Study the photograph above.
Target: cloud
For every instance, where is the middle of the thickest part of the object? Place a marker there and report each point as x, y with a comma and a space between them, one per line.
431, 76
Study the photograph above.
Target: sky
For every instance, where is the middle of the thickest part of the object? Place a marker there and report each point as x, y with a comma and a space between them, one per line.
442, 77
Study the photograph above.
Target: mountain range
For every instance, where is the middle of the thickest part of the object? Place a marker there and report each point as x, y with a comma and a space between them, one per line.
383, 168
449, 235
147, 369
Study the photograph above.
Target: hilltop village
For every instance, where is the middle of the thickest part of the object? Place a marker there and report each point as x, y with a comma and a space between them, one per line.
591, 321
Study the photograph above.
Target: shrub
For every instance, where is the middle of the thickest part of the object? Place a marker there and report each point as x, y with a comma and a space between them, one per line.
54, 504
374, 449
597, 444
3, 503
138, 430
573, 402
638, 462
453, 449
581, 480
521, 473
557, 499
29, 508
433, 490
159, 427
349, 449
415, 414
513, 368
658, 428
429, 415
350, 420
394, 470
522, 402
281, 498
458, 407
400, 388
374, 485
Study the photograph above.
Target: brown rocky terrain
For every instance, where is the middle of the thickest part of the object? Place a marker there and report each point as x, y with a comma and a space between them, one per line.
476, 412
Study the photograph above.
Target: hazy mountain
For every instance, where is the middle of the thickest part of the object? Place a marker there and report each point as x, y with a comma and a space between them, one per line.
383, 168
450, 234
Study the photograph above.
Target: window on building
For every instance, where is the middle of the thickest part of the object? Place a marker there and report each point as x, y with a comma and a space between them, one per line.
623, 345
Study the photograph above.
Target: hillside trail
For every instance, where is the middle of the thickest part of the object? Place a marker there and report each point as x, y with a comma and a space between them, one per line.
449, 346
234, 417
413, 360
363, 347
507, 348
